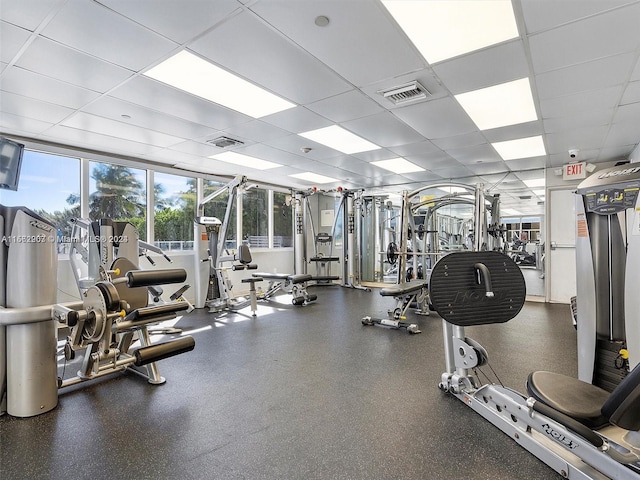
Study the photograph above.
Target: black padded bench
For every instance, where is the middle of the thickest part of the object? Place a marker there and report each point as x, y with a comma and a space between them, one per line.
405, 294
295, 284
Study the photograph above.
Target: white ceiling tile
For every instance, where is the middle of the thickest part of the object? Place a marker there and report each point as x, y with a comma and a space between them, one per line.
23, 82
360, 42
437, 118
295, 144
467, 140
22, 125
595, 37
375, 155
146, 92
178, 21
455, 170
383, 129
527, 163
546, 14
592, 118
106, 126
425, 177
34, 109
619, 152
631, 93
582, 139
484, 68
62, 63
432, 161
471, 155
107, 35
512, 132
623, 134
595, 75
197, 149
297, 120
265, 152
577, 103
253, 50
28, 14
345, 106
629, 113
488, 168
257, 131
115, 108
12, 39
418, 148
99, 142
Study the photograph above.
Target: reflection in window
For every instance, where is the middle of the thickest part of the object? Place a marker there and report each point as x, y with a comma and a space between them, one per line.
50, 186
255, 217
118, 193
174, 210
218, 207
282, 221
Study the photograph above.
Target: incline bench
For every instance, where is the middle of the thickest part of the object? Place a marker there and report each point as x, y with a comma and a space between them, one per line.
405, 294
296, 285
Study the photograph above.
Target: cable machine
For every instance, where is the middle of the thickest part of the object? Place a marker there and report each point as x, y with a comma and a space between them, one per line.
608, 275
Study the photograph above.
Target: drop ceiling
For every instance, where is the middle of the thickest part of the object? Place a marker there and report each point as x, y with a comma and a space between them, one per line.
72, 73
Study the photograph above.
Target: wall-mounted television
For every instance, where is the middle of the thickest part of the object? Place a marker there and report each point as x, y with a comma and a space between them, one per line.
10, 163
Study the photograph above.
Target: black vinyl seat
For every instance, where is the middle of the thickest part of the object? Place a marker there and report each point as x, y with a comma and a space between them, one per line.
588, 404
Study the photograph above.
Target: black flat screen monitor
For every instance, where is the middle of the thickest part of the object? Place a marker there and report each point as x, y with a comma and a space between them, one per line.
10, 163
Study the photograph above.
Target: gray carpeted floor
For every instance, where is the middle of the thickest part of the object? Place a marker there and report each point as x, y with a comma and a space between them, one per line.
297, 393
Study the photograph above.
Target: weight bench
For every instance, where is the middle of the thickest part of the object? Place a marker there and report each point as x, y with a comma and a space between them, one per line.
405, 294
296, 285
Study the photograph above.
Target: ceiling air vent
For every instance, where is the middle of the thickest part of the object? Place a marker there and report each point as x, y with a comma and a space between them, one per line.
409, 92
224, 142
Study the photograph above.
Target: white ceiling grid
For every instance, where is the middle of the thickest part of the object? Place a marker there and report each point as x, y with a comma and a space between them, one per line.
71, 73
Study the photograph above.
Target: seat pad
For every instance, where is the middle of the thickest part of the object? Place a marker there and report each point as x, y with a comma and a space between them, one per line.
575, 398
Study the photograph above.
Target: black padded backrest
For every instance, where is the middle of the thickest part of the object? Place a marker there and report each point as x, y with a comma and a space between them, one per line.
244, 254
622, 408
458, 297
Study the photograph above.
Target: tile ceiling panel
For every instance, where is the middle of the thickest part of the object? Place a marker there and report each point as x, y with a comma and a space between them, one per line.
71, 66
631, 93
596, 75
432, 161
178, 21
629, 114
459, 141
33, 109
114, 108
622, 134
105, 34
383, 129
528, 163
578, 103
454, 170
28, 13
477, 70
20, 125
196, 149
354, 165
586, 119
511, 132
39, 87
146, 92
96, 124
249, 48
345, 106
12, 39
360, 42
265, 152
437, 118
256, 130
297, 120
419, 148
488, 168
474, 154
375, 155
595, 37
295, 144
582, 138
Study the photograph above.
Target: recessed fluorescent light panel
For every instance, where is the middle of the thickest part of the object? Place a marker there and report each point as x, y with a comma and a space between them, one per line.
510, 211
500, 105
520, 148
534, 182
445, 29
313, 177
194, 75
339, 139
398, 165
244, 160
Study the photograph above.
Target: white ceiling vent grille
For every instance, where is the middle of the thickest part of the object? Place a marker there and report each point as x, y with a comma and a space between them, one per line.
225, 142
409, 92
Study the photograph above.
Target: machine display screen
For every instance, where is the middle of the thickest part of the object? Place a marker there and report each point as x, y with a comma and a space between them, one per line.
611, 200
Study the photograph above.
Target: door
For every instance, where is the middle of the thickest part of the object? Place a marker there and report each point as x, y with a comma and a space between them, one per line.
561, 246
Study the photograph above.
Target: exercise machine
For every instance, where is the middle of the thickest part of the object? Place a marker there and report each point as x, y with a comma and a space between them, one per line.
405, 295
222, 260
608, 275
576, 428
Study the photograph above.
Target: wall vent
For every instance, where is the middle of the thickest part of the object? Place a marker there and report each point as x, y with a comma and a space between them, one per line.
409, 92
224, 142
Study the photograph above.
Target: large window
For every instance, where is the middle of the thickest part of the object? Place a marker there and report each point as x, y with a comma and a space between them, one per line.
118, 193
255, 217
174, 211
282, 220
50, 186
218, 207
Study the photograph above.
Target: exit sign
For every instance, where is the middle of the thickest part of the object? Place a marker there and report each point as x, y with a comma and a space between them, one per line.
574, 171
